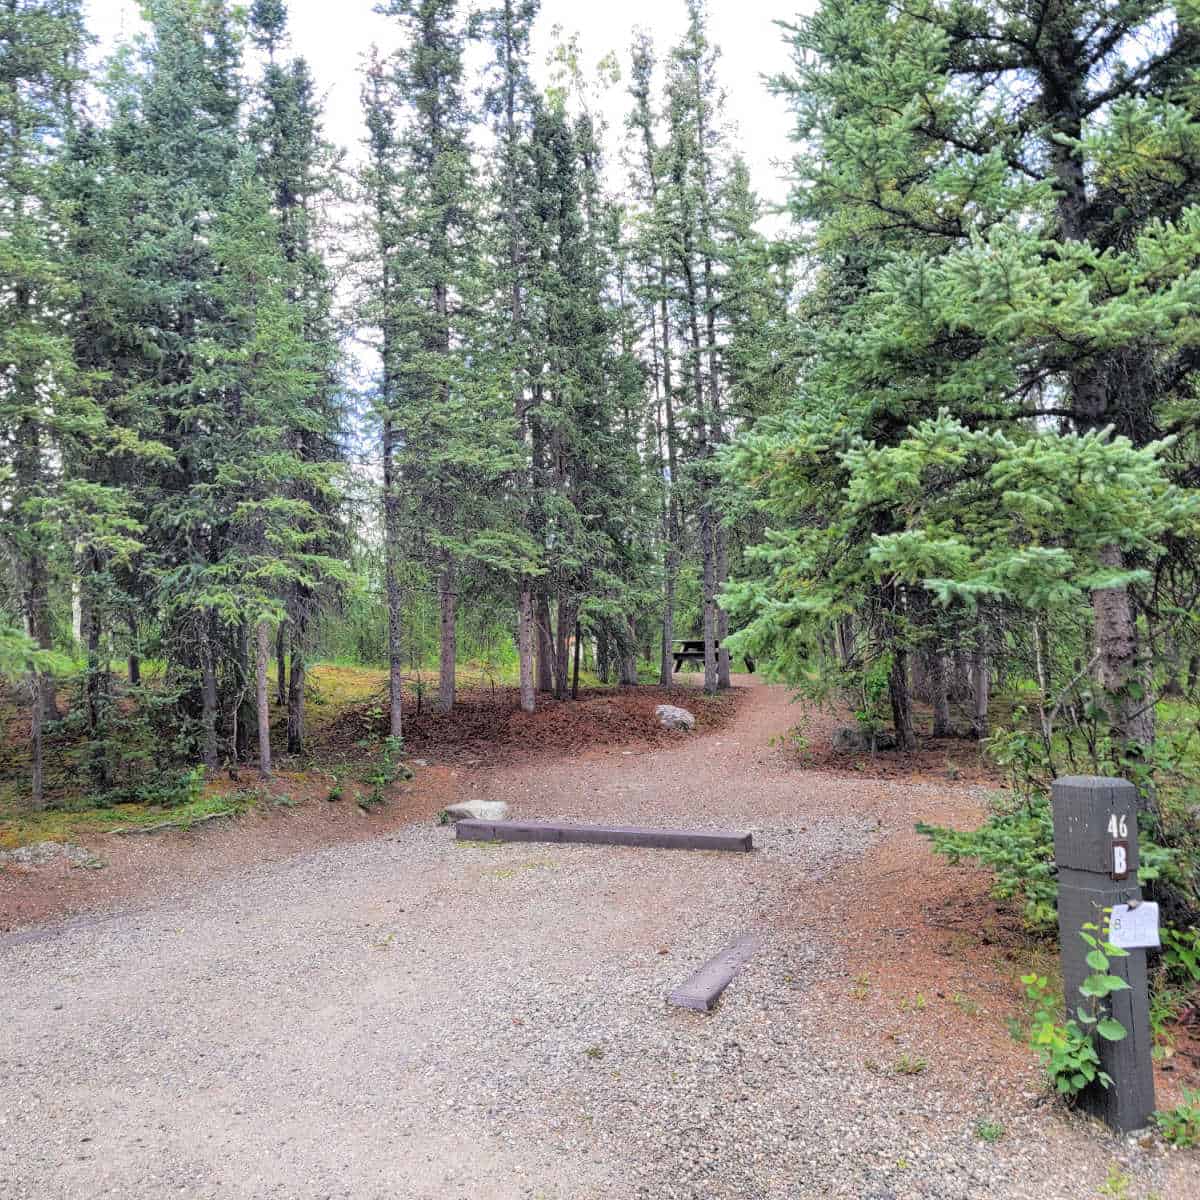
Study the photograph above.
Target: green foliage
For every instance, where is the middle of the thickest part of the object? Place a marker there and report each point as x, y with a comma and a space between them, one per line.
908, 1064
1067, 1050
1116, 1183
1016, 843
982, 436
1180, 1126
1181, 954
989, 1131
381, 774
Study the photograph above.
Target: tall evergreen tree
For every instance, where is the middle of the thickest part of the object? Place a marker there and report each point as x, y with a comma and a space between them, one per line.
691, 177
655, 252
996, 191
41, 411
511, 102
297, 166
435, 207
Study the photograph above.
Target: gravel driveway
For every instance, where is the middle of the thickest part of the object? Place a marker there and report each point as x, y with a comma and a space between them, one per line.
410, 1018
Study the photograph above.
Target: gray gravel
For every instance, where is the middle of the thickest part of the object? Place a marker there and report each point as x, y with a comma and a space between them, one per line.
414, 1018
38, 854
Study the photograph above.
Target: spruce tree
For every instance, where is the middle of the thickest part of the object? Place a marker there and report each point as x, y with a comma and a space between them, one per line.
41, 411
297, 166
998, 194
510, 101
441, 420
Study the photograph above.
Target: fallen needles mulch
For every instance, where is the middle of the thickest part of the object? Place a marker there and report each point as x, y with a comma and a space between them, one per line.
488, 728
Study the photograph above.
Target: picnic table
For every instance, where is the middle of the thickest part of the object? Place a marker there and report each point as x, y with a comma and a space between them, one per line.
693, 651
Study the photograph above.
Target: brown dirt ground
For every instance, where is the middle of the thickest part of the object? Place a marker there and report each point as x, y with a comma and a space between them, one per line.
488, 726
931, 961
487, 729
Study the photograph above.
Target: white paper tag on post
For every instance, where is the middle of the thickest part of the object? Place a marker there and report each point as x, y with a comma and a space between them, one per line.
1134, 928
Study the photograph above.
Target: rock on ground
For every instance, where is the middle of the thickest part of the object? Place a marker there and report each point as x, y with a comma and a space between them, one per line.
477, 810
851, 738
671, 716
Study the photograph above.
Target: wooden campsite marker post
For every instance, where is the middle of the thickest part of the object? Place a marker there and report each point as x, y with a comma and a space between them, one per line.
1096, 850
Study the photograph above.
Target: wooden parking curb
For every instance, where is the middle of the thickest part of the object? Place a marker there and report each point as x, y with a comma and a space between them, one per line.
601, 835
701, 991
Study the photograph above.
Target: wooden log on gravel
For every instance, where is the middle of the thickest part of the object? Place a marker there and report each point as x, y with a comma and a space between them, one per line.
703, 989
601, 835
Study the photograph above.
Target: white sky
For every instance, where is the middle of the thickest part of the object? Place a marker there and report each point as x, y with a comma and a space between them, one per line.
333, 34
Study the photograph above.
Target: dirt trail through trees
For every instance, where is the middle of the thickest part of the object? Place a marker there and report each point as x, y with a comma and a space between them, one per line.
401, 1016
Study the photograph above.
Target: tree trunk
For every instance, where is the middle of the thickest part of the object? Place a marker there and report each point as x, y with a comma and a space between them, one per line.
722, 567
575, 675
845, 641
36, 720
564, 622
246, 714
525, 623
901, 704
939, 692
395, 603
208, 696
297, 682
629, 675
709, 576
674, 516
281, 691
135, 661
298, 623
35, 591
545, 645
262, 665
667, 668
1131, 706
919, 669
96, 682
77, 631
448, 645
702, 432
980, 685
602, 654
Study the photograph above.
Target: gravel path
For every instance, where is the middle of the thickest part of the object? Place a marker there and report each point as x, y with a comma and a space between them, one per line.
411, 1018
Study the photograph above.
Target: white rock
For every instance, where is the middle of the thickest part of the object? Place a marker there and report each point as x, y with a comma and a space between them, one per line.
671, 717
478, 810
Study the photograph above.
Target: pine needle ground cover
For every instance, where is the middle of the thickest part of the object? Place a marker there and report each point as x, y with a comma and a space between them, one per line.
348, 733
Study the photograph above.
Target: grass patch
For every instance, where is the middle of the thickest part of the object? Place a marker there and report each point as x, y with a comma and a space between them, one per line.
21, 827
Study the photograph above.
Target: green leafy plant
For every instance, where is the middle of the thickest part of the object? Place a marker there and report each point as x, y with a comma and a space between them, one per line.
1181, 1125
965, 1005
1181, 953
1068, 1050
1166, 1003
989, 1131
1116, 1184
908, 1064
